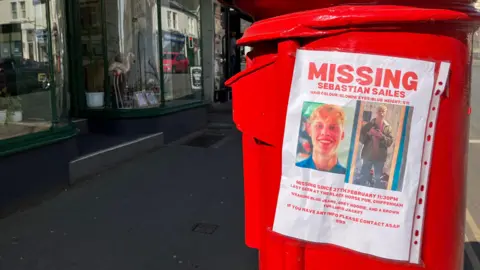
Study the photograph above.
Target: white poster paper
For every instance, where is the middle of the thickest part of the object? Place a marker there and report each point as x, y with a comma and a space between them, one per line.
196, 77
353, 151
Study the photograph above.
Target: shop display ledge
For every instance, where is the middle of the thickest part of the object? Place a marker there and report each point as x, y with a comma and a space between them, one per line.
174, 122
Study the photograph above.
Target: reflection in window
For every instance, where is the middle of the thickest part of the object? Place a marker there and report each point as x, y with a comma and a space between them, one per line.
92, 51
245, 49
220, 50
181, 50
25, 101
122, 63
59, 61
132, 54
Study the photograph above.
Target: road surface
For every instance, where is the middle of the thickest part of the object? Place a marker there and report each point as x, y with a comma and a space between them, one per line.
472, 246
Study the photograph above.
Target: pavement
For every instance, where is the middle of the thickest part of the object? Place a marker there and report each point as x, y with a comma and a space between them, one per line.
472, 239
180, 207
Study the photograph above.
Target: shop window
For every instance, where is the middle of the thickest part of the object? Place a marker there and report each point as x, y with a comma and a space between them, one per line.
26, 81
181, 51
124, 44
121, 63
175, 21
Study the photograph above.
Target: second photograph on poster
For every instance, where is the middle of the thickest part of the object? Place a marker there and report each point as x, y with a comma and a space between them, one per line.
379, 151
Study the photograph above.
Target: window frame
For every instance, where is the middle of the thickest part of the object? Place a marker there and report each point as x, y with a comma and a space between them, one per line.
23, 9
169, 19
14, 10
175, 20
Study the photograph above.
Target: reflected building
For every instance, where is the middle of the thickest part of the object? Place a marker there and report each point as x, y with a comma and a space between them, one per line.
181, 29
23, 30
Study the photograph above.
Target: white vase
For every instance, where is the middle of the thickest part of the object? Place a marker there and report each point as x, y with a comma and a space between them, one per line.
17, 116
3, 116
95, 99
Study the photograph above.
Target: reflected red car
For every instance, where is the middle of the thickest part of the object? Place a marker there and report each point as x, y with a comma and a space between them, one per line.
174, 62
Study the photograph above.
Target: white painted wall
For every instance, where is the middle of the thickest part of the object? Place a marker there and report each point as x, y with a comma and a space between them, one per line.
185, 23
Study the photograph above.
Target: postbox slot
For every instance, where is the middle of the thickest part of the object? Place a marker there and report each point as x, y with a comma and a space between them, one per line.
259, 142
256, 65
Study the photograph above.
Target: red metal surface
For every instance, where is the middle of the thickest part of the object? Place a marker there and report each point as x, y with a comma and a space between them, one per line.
255, 124
252, 194
337, 20
260, 95
262, 9
444, 220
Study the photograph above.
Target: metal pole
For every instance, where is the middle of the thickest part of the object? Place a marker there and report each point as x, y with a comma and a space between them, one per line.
106, 80
160, 51
53, 86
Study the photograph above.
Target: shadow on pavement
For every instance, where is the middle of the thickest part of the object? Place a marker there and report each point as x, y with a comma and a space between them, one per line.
472, 255
179, 207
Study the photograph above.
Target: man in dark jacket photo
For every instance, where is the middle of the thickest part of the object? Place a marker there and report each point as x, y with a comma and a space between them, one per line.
376, 137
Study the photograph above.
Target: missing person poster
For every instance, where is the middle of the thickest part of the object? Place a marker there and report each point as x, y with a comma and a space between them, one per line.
353, 151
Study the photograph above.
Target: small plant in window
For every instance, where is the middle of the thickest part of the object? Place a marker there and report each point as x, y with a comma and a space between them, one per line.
3, 105
15, 104
10, 108
14, 109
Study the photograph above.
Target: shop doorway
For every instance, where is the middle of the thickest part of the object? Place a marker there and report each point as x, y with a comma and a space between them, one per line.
236, 24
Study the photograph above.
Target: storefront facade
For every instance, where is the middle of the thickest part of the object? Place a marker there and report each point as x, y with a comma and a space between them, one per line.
125, 66
141, 52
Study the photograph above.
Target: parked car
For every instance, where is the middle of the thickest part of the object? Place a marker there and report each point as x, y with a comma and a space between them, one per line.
22, 76
175, 62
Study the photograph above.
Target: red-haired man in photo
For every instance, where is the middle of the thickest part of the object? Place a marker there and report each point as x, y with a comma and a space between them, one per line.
325, 128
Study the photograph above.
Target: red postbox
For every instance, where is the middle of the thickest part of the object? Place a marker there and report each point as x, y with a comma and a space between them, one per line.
262, 9
260, 97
